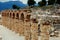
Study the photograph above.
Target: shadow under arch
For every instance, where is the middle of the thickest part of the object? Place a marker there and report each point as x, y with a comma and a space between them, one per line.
22, 17
28, 17
13, 15
17, 16
10, 14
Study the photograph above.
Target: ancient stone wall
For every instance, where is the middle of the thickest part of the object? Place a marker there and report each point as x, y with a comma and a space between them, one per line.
19, 21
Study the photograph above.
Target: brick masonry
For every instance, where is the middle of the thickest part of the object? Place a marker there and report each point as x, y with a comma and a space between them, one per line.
19, 21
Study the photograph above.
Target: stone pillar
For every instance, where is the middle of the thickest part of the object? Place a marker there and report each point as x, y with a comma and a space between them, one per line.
34, 31
3, 20
14, 25
45, 31
8, 21
21, 28
27, 31
11, 24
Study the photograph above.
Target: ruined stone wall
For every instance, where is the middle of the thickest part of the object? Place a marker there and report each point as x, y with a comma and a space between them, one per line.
19, 21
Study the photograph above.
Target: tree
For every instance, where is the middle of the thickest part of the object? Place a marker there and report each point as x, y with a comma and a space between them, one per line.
31, 2
51, 2
15, 7
42, 3
58, 1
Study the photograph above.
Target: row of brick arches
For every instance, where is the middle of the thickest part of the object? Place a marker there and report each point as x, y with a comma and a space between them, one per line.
18, 15
20, 23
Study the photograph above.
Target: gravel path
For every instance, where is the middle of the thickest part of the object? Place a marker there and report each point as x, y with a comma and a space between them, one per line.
9, 35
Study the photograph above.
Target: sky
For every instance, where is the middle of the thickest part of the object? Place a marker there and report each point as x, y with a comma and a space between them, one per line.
24, 1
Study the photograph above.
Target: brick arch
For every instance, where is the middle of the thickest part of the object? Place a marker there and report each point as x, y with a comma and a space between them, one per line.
7, 14
28, 17
17, 15
10, 14
13, 15
22, 16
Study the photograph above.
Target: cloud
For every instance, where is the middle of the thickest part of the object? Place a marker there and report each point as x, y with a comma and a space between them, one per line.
37, 1
24, 1
4, 0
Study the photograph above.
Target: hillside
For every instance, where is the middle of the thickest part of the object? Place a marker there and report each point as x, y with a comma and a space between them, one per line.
8, 5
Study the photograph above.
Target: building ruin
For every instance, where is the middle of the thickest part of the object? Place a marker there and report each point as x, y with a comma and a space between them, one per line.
21, 22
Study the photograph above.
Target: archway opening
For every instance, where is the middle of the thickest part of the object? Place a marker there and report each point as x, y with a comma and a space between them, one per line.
10, 14
22, 17
28, 17
13, 15
17, 16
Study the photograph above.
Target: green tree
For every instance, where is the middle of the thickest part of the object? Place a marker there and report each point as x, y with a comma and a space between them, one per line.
58, 1
31, 2
51, 2
15, 7
42, 3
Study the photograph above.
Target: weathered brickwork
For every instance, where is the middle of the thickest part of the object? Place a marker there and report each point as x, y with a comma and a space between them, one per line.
30, 23
45, 32
20, 22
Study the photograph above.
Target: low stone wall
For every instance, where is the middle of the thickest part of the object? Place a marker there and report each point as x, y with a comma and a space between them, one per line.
21, 23
27, 29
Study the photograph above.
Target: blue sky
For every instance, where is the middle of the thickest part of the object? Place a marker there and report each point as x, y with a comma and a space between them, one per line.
24, 1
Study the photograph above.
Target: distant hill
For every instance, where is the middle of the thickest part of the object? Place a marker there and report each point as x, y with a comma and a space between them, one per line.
8, 5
